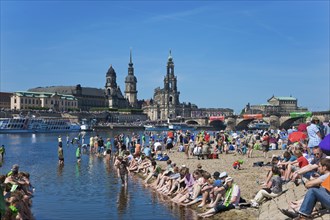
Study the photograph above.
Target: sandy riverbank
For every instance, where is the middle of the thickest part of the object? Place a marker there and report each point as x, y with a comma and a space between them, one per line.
246, 178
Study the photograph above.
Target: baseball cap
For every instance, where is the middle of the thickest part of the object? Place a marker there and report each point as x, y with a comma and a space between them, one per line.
223, 174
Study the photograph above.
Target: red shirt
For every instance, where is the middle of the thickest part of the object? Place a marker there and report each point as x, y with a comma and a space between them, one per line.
236, 163
302, 161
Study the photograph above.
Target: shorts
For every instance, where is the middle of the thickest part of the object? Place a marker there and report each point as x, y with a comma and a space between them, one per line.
182, 185
265, 148
108, 151
123, 177
169, 146
78, 158
294, 168
61, 159
222, 208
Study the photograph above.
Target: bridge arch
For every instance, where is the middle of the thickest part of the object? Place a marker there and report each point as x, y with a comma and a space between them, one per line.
191, 122
218, 124
286, 124
244, 124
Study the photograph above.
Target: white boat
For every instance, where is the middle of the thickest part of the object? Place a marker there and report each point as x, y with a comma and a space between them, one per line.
259, 125
35, 125
85, 126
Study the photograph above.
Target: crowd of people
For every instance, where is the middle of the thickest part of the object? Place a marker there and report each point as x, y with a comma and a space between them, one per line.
302, 162
16, 196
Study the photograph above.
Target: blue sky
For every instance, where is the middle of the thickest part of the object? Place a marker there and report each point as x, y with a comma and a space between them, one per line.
226, 53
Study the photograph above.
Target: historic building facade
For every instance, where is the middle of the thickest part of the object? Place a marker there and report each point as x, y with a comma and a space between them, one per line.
165, 103
109, 97
43, 100
87, 97
276, 105
5, 100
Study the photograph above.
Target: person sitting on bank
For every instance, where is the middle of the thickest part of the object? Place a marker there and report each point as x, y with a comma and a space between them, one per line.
310, 169
232, 197
318, 191
314, 194
274, 188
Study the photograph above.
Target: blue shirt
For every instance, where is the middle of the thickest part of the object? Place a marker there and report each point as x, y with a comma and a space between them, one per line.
292, 158
147, 151
217, 183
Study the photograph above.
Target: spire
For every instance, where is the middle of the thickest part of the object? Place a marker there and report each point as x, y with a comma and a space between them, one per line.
130, 56
130, 59
170, 56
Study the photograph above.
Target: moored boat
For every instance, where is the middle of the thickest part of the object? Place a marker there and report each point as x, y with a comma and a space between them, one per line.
35, 125
167, 127
258, 125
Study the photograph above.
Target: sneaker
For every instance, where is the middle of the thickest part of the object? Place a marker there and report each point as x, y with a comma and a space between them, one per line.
254, 205
288, 213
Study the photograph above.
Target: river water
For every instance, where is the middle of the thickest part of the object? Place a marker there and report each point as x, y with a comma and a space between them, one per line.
89, 190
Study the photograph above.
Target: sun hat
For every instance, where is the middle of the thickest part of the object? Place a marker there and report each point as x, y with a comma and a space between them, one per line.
314, 118
228, 179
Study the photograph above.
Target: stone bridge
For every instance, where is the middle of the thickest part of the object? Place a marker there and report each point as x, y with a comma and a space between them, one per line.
239, 123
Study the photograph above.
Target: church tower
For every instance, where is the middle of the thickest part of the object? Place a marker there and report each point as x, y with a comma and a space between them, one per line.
111, 88
130, 84
170, 89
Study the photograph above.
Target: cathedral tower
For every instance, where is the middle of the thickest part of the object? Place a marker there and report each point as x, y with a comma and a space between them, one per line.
111, 88
170, 90
130, 84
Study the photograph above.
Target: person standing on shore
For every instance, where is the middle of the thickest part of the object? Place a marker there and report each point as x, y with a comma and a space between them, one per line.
265, 144
314, 134
250, 140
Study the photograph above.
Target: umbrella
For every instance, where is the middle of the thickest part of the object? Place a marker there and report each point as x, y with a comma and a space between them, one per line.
325, 143
302, 127
297, 136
